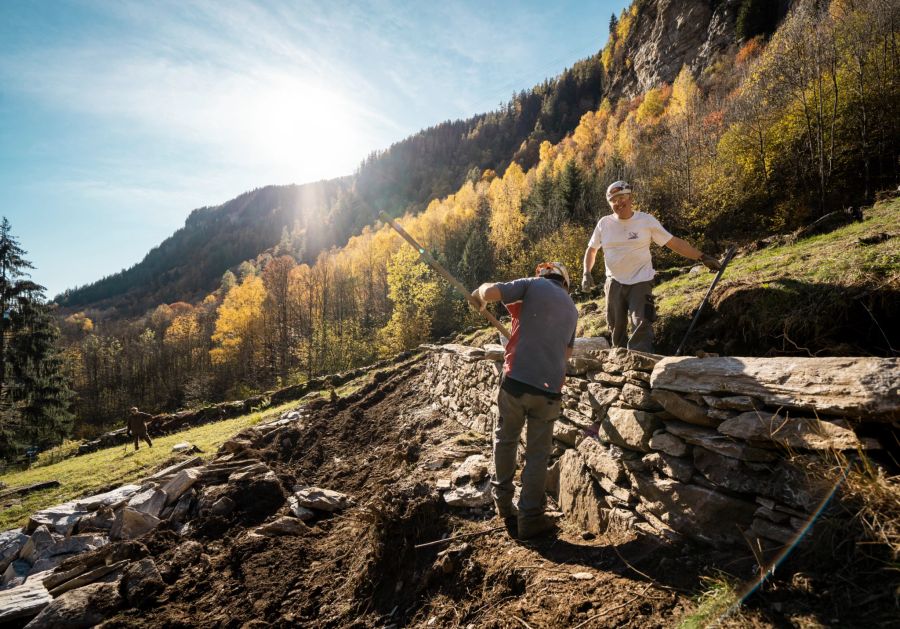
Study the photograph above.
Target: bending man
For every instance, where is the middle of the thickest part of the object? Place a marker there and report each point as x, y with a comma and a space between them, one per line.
625, 237
534, 368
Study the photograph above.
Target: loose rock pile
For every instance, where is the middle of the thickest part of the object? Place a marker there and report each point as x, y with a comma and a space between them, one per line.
65, 563
713, 449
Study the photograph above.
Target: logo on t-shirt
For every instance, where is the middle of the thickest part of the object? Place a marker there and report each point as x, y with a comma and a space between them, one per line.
632, 236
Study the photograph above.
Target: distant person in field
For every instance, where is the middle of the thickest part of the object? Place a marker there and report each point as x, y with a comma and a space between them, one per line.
137, 427
534, 368
625, 237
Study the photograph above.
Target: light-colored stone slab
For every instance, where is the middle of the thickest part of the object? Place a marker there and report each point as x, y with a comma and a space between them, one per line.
469, 495
847, 386
11, 543
107, 499
131, 524
24, 601
473, 470
180, 483
60, 519
150, 501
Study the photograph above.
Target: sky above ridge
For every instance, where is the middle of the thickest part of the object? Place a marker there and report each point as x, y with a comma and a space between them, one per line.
119, 118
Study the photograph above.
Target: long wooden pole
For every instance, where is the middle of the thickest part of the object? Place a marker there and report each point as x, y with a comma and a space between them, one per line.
437, 266
728, 256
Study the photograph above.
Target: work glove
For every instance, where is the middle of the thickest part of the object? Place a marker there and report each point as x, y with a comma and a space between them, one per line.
587, 282
710, 262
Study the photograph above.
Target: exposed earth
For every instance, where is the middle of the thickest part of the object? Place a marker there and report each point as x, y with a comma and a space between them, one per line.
359, 567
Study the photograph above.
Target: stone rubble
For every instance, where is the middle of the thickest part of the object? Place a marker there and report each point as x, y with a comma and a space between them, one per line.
60, 562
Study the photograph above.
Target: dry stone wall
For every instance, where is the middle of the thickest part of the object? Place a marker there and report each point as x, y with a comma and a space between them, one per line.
712, 449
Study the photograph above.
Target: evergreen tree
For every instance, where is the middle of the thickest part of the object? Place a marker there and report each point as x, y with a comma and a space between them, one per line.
33, 394
39, 390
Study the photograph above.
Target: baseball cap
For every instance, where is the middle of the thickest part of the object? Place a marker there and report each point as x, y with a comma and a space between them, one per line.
616, 188
552, 268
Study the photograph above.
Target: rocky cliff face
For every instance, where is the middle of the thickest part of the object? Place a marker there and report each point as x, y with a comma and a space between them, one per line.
666, 35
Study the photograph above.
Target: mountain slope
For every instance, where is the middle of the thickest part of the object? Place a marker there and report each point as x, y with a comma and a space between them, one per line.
430, 164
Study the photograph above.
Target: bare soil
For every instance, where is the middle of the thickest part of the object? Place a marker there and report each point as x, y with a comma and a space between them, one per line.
360, 567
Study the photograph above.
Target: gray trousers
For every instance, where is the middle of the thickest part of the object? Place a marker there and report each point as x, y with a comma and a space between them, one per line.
538, 412
632, 302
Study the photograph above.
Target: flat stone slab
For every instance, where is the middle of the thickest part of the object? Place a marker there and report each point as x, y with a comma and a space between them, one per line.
719, 443
321, 499
180, 483
867, 387
150, 501
683, 409
130, 524
24, 601
794, 432
108, 499
59, 519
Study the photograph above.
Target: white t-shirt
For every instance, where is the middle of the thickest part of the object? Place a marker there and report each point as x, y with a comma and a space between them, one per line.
626, 246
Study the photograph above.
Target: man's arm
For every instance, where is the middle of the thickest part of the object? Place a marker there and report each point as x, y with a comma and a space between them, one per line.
684, 248
485, 294
590, 256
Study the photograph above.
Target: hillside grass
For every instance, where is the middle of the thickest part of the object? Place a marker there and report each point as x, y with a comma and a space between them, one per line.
102, 470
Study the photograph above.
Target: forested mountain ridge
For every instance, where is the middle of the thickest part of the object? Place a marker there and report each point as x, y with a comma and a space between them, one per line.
304, 220
779, 130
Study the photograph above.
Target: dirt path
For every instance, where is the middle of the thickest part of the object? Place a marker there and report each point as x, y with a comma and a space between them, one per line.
360, 568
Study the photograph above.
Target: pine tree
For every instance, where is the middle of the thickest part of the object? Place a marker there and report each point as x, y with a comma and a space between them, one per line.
39, 391
34, 396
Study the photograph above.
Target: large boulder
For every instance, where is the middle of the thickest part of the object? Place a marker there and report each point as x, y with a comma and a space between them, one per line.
629, 428
150, 501
107, 499
180, 483
472, 470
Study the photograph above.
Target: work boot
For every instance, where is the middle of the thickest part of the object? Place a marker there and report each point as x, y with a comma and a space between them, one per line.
535, 526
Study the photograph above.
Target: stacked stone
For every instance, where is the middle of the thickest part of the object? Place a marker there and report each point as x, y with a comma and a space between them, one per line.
713, 449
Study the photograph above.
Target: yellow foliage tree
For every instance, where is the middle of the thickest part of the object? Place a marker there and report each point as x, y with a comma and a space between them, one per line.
238, 316
414, 292
507, 220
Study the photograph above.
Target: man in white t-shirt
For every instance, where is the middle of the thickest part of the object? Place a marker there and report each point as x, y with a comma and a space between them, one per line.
625, 237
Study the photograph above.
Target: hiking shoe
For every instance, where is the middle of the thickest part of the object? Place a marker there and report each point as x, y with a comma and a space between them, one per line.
535, 526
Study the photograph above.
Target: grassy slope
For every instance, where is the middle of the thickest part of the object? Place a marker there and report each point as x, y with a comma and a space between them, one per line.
803, 289
104, 469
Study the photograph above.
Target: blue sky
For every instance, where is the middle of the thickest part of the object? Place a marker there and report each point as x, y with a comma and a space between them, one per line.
119, 118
